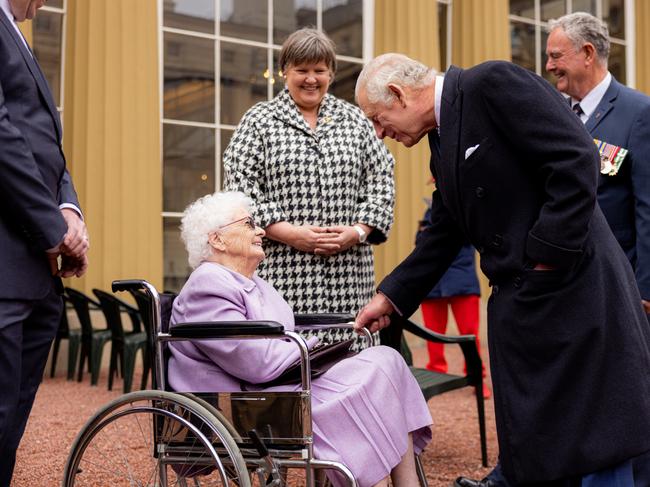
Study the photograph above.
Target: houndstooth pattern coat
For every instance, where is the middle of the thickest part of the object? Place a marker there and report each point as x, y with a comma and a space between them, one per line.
339, 174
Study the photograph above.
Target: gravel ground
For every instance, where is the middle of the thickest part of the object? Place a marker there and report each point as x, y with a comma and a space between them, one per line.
62, 407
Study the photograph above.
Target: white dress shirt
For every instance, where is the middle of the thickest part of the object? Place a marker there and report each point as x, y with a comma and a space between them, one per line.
4, 6
592, 99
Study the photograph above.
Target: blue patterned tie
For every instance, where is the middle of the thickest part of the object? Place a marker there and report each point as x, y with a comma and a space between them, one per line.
577, 109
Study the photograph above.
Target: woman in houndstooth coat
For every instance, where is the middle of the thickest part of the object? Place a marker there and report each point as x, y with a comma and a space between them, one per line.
321, 180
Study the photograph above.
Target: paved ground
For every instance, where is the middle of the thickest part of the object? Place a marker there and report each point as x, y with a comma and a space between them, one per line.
62, 407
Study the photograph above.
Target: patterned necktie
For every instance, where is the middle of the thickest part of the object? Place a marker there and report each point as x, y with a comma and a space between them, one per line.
577, 109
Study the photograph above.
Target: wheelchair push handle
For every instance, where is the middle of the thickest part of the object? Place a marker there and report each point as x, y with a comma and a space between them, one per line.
129, 284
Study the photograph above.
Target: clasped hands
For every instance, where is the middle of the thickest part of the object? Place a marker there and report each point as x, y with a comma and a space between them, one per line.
73, 250
323, 240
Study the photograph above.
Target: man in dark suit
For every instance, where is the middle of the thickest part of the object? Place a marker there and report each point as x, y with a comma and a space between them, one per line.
517, 176
577, 51
42, 234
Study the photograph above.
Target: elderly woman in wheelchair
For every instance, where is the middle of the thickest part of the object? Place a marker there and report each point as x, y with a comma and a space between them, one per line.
367, 410
216, 415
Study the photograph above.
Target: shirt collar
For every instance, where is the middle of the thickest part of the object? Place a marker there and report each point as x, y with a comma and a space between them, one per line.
592, 99
438, 98
4, 5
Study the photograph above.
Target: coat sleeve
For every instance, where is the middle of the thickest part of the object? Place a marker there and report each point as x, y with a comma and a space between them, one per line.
436, 247
243, 163
67, 193
555, 146
253, 361
23, 194
376, 198
639, 145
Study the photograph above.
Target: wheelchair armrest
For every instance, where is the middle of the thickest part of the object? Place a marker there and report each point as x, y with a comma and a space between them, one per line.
226, 329
306, 319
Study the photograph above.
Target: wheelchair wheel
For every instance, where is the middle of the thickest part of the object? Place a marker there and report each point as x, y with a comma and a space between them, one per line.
155, 439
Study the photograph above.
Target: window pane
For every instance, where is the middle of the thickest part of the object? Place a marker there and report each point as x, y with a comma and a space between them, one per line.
176, 268
342, 21
617, 62
188, 165
242, 80
244, 19
278, 84
345, 80
189, 78
522, 38
584, 6
47, 48
291, 15
194, 15
614, 16
523, 8
443, 11
552, 9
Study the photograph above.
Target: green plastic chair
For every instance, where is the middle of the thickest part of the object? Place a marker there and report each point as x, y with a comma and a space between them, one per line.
92, 339
124, 345
434, 383
74, 340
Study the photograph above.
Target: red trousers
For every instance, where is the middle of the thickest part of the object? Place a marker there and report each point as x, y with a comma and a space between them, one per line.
434, 313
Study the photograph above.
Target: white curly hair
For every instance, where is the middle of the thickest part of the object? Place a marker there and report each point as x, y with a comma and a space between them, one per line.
204, 216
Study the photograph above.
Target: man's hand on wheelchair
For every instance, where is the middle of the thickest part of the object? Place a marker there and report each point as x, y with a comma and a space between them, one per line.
375, 314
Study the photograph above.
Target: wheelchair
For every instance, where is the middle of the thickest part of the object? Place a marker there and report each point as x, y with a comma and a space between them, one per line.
163, 438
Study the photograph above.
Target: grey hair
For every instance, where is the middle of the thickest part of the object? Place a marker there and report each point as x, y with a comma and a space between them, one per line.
580, 28
206, 215
308, 45
391, 68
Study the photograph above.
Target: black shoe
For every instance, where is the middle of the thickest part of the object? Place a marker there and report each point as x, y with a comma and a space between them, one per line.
465, 482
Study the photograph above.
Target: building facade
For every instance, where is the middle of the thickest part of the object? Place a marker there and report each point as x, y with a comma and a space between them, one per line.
150, 92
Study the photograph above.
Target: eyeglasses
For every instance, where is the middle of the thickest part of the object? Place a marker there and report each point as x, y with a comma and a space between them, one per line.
248, 221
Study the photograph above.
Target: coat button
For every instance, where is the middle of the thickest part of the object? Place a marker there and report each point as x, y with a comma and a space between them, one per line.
497, 240
495, 289
517, 281
480, 192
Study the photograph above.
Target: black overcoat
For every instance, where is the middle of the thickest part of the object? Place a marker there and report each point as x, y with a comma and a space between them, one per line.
570, 347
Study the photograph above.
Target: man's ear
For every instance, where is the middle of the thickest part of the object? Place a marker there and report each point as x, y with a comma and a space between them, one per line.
590, 52
399, 93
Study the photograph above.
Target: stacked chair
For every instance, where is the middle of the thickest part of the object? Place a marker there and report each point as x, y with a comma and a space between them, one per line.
92, 339
65, 333
124, 344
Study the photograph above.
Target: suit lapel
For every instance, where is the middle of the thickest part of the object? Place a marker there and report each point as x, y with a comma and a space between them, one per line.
604, 107
35, 70
450, 115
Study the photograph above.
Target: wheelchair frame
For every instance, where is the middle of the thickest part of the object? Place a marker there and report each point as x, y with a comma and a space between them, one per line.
193, 431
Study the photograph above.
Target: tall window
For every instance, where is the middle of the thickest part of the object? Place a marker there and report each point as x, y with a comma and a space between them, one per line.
529, 19
444, 32
49, 46
220, 57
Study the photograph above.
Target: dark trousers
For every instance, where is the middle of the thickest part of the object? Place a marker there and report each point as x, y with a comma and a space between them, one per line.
27, 329
631, 473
